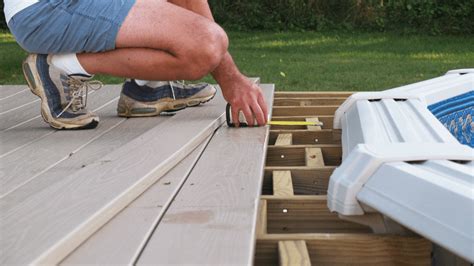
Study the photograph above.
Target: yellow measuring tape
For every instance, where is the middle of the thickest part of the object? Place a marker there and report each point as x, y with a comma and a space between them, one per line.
294, 123
230, 123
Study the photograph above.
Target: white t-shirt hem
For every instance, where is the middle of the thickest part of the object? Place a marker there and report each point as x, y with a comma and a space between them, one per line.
14, 6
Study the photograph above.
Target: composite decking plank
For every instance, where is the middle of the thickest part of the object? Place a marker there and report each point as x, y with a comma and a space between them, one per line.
217, 206
26, 164
10, 90
35, 129
49, 224
122, 238
91, 154
16, 101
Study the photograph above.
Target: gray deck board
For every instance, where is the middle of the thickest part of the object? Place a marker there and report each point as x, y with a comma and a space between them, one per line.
22, 166
17, 101
10, 90
212, 219
24, 134
90, 154
48, 224
121, 240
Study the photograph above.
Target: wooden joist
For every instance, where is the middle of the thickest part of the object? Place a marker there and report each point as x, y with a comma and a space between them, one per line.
304, 110
313, 120
284, 139
282, 183
308, 101
305, 182
283, 156
350, 249
261, 228
306, 137
312, 94
305, 214
314, 157
293, 253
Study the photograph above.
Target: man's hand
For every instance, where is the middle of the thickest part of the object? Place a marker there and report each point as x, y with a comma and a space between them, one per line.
244, 95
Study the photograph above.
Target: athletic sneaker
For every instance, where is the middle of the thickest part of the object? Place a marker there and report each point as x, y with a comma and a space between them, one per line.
159, 96
63, 97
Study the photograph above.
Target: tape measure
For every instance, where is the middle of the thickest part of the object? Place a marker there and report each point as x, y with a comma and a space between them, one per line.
243, 123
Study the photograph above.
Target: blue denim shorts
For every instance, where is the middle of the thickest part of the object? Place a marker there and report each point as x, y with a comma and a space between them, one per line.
69, 26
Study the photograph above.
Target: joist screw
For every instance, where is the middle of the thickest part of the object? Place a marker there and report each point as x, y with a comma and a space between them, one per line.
282, 156
285, 210
316, 140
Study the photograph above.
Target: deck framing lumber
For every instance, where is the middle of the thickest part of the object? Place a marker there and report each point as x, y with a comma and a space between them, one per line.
314, 157
303, 216
284, 139
313, 120
282, 183
293, 253
261, 228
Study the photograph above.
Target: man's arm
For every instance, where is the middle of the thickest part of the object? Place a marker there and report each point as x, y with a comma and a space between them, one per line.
237, 89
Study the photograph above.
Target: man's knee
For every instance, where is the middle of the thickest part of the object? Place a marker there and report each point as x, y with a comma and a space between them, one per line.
208, 52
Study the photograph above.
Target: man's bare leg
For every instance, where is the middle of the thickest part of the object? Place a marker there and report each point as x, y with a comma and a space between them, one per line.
164, 41
161, 41
237, 89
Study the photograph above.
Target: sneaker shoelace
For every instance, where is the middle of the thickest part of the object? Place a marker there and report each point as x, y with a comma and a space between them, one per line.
180, 82
78, 92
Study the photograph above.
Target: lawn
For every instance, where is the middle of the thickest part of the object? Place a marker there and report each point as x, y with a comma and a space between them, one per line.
319, 61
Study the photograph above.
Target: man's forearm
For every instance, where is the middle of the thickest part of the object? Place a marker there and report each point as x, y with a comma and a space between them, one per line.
227, 70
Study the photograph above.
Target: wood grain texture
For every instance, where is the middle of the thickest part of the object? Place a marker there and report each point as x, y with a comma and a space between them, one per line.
305, 137
304, 110
261, 228
305, 182
50, 223
284, 139
121, 240
305, 214
350, 249
212, 220
282, 183
293, 253
313, 120
314, 157
308, 101
312, 94
296, 156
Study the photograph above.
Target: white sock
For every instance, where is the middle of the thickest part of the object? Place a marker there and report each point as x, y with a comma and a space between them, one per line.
141, 82
68, 63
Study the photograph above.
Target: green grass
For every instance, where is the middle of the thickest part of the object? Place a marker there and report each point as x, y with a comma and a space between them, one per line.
319, 61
